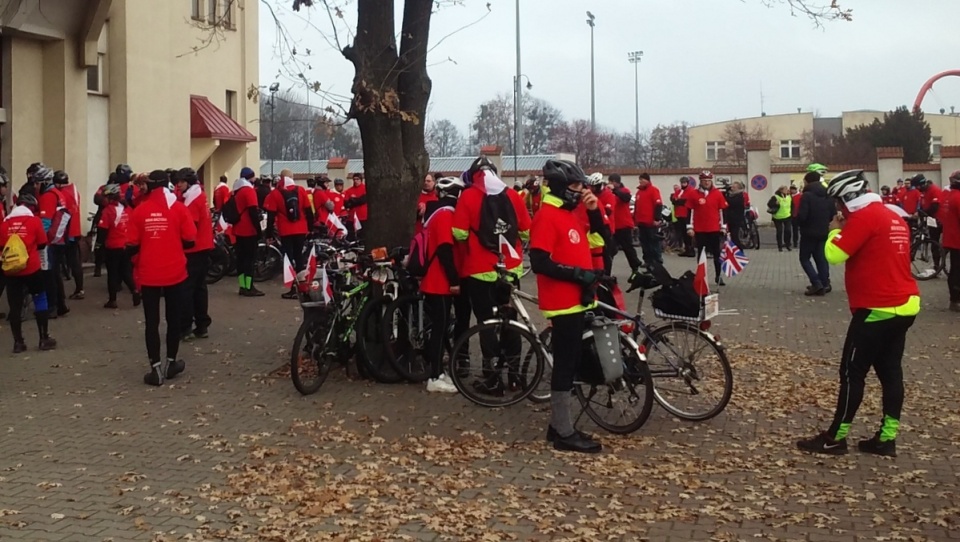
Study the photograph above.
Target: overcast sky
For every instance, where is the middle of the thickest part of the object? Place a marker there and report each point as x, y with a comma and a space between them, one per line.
704, 60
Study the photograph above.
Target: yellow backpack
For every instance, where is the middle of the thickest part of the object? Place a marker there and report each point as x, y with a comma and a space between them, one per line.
15, 255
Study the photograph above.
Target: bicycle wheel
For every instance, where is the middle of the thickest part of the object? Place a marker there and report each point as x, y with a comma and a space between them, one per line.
541, 393
371, 350
309, 358
754, 236
481, 379
219, 264
922, 263
405, 331
692, 378
624, 405
267, 264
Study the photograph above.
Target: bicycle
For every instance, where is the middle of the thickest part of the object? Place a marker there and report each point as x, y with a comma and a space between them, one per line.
927, 259
749, 232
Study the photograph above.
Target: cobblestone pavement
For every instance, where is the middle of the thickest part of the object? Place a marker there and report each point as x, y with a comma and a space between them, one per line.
229, 452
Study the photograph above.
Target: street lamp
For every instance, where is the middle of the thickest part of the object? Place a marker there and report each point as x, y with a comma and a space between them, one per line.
273, 126
593, 97
634, 57
518, 118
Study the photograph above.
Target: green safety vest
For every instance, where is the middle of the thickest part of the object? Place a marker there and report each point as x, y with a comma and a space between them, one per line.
785, 203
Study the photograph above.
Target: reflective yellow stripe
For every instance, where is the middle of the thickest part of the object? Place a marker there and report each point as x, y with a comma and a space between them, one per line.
491, 276
834, 254
571, 310
460, 235
595, 240
910, 308
525, 235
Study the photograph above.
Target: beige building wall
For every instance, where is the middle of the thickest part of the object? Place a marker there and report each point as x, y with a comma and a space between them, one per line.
780, 127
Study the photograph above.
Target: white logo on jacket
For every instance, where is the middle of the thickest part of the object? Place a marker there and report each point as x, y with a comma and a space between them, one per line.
574, 236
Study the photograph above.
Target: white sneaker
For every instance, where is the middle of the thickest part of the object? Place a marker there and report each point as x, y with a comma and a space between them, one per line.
440, 385
451, 387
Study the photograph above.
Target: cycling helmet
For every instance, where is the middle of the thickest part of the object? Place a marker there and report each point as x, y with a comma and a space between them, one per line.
27, 200
60, 177
188, 175
817, 168
113, 179
955, 176
157, 178
338, 181
848, 185
919, 181
43, 175
111, 190
595, 179
311, 183
481, 163
560, 174
705, 175
123, 173
450, 186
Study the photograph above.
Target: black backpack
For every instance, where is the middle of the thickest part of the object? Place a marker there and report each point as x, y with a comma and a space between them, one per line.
229, 211
678, 297
497, 218
291, 201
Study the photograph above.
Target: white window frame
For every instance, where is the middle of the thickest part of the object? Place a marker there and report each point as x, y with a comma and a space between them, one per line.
230, 103
936, 144
718, 148
99, 68
196, 12
792, 149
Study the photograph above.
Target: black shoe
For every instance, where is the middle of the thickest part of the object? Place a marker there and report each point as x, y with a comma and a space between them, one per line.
251, 292
687, 254
155, 376
174, 368
491, 386
292, 294
780, 249
827, 289
814, 290
552, 434
201, 333
112, 304
876, 446
720, 282
63, 311
48, 343
577, 443
19, 346
77, 295
137, 298
187, 337
823, 444
96, 273
789, 249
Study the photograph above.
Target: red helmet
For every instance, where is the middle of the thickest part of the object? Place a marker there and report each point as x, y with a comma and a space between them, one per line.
705, 175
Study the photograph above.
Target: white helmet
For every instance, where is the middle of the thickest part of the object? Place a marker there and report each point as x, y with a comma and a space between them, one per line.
450, 186
847, 185
595, 179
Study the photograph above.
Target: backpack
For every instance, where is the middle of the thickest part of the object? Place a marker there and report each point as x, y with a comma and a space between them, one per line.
419, 261
678, 297
229, 211
15, 255
498, 218
291, 201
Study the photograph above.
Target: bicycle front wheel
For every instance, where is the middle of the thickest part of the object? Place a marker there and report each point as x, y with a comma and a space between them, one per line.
541, 393
502, 374
692, 378
406, 330
926, 259
624, 405
268, 263
309, 359
371, 350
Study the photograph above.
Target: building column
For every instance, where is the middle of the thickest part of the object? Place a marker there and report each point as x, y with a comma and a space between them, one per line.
64, 93
337, 169
889, 166
759, 178
949, 162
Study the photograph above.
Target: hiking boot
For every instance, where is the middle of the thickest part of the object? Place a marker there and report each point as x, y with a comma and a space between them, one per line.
175, 367
576, 442
251, 292
490, 386
552, 434
112, 304
823, 444
19, 347
137, 298
827, 289
77, 295
48, 343
155, 376
876, 446
814, 290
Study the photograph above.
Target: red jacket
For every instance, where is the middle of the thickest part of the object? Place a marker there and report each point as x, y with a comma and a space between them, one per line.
71, 200
706, 211
911, 201
200, 214
622, 219
561, 234
159, 227
439, 233
466, 221
679, 200
422, 201
645, 206
115, 218
30, 230
220, 195
359, 211
950, 218
275, 203
246, 197
608, 202
930, 197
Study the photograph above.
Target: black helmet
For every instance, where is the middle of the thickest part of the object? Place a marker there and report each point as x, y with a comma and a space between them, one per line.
123, 173
27, 199
188, 175
157, 178
60, 177
113, 179
560, 174
32, 169
311, 182
918, 180
482, 162
43, 175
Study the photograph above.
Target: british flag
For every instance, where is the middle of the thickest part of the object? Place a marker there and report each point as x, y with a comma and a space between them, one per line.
733, 259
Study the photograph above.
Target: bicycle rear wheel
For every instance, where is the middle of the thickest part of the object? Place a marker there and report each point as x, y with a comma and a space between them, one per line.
268, 263
309, 357
624, 405
405, 331
692, 378
541, 393
923, 265
372, 351
482, 380
219, 264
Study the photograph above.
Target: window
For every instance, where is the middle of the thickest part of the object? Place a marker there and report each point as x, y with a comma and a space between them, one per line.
95, 76
213, 11
197, 11
227, 11
230, 104
789, 149
936, 142
715, 150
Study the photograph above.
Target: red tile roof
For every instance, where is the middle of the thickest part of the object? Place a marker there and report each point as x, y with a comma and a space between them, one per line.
209, 122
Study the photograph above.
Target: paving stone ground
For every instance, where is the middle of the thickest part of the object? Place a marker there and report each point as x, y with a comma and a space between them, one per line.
88, 452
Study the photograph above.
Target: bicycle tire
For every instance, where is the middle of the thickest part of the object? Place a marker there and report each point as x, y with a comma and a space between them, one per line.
268, 263
923, 252
636, 376
754, 236
307, 341
667, 363
371, 356
541, 393
219, 264
464, 380
405, 338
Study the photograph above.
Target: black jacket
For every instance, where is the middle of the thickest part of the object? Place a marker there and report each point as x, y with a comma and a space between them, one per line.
816, 212
735, 213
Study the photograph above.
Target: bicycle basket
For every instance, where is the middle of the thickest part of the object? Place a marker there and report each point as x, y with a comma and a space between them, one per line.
677, 299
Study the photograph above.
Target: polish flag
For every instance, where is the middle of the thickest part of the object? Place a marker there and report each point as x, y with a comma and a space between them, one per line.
356, 223
700, 278
509, 248
334, 223
289, 273
312, 265
325, 286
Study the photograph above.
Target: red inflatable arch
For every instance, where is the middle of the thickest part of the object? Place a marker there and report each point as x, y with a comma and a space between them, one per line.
929, 84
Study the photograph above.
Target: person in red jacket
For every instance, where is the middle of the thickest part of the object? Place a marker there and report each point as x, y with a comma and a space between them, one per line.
601, 239
71, 252
567, 284
898, 192
195, 320
159, 231
647, 209
623, 222
355, 201
682, 214
794, 211
706, 220
910, 200
247, 231
950, 222
24, 222
930, 205
427, 194
288, 207
112, 242
887, 196
52, 214
442, 281
874, 243
221, 193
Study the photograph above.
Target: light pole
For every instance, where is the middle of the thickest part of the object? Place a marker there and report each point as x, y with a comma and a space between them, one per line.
273, 125
309, 128
518, 118
593, 96
634, 57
